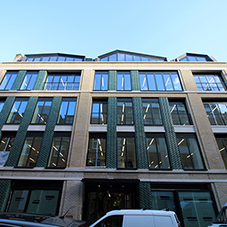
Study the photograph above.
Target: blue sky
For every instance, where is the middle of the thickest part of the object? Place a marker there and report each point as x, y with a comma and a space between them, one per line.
167, 28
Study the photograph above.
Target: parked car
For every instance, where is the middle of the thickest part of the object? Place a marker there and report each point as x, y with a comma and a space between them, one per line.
26, 220
135, 218
221, 219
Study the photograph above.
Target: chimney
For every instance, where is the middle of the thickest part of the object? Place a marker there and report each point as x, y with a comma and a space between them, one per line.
18, 57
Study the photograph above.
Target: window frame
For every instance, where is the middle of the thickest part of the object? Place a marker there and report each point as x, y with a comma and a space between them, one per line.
150, 101
124, 83
68, 100
96, 136
125, 100
126, 136
47, 86
100, 82
156, 136
33, 73
99, 101
15, 114
59, 135
162, 73
10, 80
190, 136
222, 138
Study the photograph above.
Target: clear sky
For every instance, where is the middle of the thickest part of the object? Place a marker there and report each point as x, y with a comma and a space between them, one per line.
167, 28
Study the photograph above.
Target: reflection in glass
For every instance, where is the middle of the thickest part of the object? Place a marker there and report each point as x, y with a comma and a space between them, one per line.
222, 145
126, 154
101, 81
29, 81
124, 112
96, 151
8, 81
99, 112
123, 81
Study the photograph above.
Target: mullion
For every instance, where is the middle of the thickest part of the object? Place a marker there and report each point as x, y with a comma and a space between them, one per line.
59, 152
155, 82
170, 74
186, 139
17, 112
30, 151
41, 112
68, 102
178, 114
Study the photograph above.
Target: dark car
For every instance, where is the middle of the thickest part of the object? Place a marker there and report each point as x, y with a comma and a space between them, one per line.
25, 220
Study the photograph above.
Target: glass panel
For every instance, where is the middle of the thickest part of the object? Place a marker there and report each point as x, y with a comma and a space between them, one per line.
159, 81
192, 58
1, 105
128, 57
53, 58
162, 153
95, 113
197, 208
176, 82
62, 114
61, 58
63, 152
147, 114
121, 57
210, 114
217, 114
151, 82
185, 153
37, 59
104, 59
222, 145
128, 113
113, 57
70, 113
29, 59
223, 111
120, 82
45, 58
32, 81
97, 83
162, 200
69, 59
168, 82
144, 59
183, 114
18, 201
131, 154
121, 152
10, 82
184, 59
120, 112
143, 82
195, 154
127, 81
174, 113
136, 58
5, 81
104, 82
201, 59
26, 81
156, 113
152, 153
43, 202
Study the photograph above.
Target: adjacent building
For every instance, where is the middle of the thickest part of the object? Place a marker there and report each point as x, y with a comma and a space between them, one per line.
124, 130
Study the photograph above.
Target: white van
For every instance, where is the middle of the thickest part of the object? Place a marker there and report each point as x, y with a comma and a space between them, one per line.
136, 218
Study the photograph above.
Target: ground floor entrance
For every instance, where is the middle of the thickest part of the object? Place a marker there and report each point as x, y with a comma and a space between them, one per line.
103, 196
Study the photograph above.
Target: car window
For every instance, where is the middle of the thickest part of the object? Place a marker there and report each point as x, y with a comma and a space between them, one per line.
111, 221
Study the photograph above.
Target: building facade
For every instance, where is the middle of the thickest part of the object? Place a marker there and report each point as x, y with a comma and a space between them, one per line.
124, 130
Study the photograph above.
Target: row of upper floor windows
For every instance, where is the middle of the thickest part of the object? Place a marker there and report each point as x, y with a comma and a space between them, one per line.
148, 81
158, 155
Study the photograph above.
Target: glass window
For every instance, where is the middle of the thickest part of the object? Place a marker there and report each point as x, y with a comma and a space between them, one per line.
190, 152
179, 113
42, 111
101, 81
114, 220
59, 151
151, 112
126, 153
1, 104
222, 145
29, 81
123, 81
124, 112
209, 82
67, 111
8, 81
99, 112
62, 82
30, 151
159, 81
96, 155
35, 201
17, 111
5, 148
157, 152
216, 113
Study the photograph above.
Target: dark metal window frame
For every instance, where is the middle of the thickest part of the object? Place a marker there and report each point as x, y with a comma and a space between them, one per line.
222, 137
61, 135
127, 135
8, 72
187, 136
74, 83
125, 72
101, 101
32, 73
67, 99
96, 136
42, 57
155, 136
160, 72
126, 100
150, 101
95, 79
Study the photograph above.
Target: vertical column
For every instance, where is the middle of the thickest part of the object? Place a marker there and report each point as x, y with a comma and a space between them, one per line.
111, 150
170, 135
5, 112
142, 159
72, 198
49, 133
18, 81
135, 80
5, 187
112, 80
41, 78
21, 133
145, 195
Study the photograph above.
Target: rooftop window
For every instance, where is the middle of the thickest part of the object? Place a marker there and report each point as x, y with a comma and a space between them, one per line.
196, 57
53, 58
